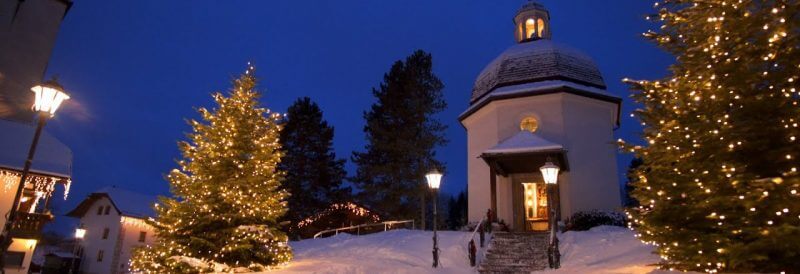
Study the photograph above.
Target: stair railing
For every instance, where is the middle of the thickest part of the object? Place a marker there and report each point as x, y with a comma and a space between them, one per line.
472, 250
387, 225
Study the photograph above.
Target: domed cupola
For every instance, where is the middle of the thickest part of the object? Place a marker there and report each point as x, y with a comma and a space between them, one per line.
536, 59
532, 22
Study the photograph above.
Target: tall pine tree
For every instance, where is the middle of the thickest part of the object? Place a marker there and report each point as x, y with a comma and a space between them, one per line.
227, 200
719, 182
401, 137
314, 175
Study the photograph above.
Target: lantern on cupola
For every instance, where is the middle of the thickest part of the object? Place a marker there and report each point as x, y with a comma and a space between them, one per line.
533, 22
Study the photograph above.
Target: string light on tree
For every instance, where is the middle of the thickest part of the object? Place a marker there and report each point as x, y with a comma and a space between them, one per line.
720, 160
227, 204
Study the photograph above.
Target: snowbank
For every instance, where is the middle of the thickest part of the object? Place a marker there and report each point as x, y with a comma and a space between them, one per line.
604, 249
395, 251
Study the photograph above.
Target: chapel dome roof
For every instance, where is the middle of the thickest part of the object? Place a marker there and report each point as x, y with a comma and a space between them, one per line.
535, 61
531, 5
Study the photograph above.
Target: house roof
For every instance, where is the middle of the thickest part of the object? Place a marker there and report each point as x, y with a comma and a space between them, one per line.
52, 157
127, 203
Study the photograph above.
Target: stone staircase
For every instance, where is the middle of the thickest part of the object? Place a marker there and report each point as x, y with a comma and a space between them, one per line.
515, 253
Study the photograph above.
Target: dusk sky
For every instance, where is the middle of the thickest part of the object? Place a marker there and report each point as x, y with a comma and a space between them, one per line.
136, 70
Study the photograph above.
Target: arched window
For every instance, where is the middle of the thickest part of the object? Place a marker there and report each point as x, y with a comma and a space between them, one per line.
541, 27
530, 28
520, 32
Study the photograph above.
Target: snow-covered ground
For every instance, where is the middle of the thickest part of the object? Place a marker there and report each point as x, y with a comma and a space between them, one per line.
603, 249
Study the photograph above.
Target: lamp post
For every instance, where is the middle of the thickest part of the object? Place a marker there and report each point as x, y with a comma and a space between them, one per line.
79, 234
434, 178
48, 97
550, 174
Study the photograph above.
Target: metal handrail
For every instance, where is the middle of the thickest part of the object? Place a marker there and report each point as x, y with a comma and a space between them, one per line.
472, 241
386, 226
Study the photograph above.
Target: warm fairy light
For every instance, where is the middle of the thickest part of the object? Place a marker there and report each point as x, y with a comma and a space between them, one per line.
707, 114
351, 207
228, 176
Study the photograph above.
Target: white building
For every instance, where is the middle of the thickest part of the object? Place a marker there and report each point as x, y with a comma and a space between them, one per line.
27, 35
52, 166
540, 99
114, 220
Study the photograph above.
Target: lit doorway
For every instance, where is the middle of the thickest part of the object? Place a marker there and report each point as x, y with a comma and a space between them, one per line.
535, 204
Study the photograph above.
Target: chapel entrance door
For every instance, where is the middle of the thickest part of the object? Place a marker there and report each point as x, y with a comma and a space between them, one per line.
534, 204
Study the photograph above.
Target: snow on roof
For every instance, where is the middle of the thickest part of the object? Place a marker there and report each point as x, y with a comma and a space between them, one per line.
534, 87
52, 157
523, 142
130, 203
535, 61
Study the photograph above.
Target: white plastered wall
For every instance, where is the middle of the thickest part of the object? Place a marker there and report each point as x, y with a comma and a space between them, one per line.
131, 228
93, 241
584, 126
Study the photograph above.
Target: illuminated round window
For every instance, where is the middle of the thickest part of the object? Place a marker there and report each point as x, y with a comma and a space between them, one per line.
529, 124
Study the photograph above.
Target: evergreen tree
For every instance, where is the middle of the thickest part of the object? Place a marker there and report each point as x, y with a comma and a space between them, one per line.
457, 211
632, 176
401, 137
227, 200
313, 173
719, 184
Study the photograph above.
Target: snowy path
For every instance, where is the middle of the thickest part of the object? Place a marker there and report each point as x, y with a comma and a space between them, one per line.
396, 251
601, 250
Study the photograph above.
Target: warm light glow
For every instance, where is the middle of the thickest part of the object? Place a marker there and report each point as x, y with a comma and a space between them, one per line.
549, 172
530, 28
540, 27
80, 233
529, 124
434, 178
48, 98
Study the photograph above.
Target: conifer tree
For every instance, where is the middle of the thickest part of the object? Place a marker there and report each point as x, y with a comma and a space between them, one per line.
457, 211
401, 137
314, 175
719, 182
227, 200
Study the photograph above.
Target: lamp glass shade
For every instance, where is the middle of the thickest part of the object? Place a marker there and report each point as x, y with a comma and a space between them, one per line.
549, 172
434, 178
80, 233
48, 98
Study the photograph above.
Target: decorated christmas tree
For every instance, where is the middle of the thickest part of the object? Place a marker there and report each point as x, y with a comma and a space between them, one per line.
718, 187
227, 198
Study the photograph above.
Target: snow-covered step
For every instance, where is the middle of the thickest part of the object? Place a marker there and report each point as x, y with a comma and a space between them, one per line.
515, 253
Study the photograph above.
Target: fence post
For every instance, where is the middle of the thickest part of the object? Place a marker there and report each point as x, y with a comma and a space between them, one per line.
472, 252
480, 230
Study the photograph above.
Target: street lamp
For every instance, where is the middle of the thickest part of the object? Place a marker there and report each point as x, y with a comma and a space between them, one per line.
550, 174
48, 97
434, 178
79, 234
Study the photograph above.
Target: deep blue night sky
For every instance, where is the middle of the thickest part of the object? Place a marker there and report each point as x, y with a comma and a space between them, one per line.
137, 69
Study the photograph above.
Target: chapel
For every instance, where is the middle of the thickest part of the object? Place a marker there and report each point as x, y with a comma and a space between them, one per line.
540, 101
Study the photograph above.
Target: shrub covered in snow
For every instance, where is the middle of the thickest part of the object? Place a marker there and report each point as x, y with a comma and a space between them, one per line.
585, 220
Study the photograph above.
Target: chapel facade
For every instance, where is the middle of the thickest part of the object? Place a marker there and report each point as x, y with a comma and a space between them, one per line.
540, 100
